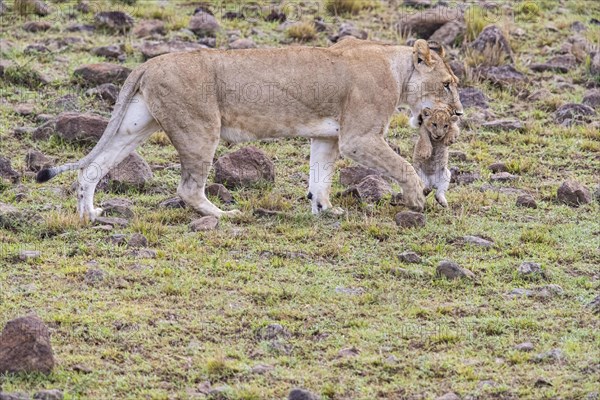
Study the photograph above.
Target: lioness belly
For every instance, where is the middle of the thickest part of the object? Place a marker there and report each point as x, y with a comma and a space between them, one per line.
320, 128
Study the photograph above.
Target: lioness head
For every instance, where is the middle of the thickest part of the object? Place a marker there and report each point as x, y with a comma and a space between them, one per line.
431, 82
438, 123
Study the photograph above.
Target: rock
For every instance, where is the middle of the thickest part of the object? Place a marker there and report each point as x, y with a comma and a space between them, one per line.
504, 76
25, 346
142, 253
36, 160
572, 113
478, 241
595, 63
540, 94
462, 178
119, 207
525, 347
174, 202
25, 255
503, 125
594, 305
492, 38
117, 239
75, 127
98, 74
551, 355
410, 219
520, 292
542, 382
6, 170
498, 167
50, 394
548, 291
591, 98
133, 171
418, 3
110, 52
24, 109
458, 67
350, 291
457, 156
526, 200
351, 176
561, 63
452, 270
36, 26
449, 33
36, 48
409, 257
204, 24
26, 7
424, 24
137, 240
529, 269
242, 44
14, 396
301, 394
578, 26
448, 396
207, 223
261, 369
107, 92
154, 49
81, 28
112, 221
149, 27
348, 29
221, 192
94, 276
573, 194
273, 332
502, 177
348, 352
471, 97
244, 168
373, 189
114, 21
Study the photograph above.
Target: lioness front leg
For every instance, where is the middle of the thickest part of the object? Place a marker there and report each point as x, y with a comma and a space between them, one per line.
372, 151
323, 154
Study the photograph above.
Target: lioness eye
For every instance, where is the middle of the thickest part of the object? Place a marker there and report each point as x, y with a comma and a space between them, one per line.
445, 126
435, 125
447, 85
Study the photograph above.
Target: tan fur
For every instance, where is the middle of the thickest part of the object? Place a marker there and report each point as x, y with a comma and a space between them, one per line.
439, 129
341, 97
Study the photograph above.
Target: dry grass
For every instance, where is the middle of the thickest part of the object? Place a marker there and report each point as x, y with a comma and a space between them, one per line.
302, 31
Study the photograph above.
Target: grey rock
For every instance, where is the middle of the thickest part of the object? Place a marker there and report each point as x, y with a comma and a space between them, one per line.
36, 160
572, 113
591, 98
302, 394
76, 127
174, 202
14, 396
478, 241
261, 369
525, 347
504, 76
111, 52
204, 24
36, 26
530, 269
551, 355
133, 171
245, 167
498, 167
457, 156
350, 176
594, 305
49, 394
273, 332
526, 200
348, 352
373, 189
409, 257
112, 221
562, 63
472, 97
424, 24
137, 240
448, 396
94, 276
348, 29
220, 191
119, 207
452, 270
6, 170
449, 33
100, 73
502, 177
243, 43
520, 292
114, 21
573, 194
149, 27
25, 255
25, 346
492, 37
463, 178
410, 219
108, 92
207, 223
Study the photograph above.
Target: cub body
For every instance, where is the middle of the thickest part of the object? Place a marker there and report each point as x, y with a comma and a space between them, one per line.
438, 130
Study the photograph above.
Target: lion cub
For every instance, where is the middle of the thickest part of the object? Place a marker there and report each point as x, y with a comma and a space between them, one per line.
438, 130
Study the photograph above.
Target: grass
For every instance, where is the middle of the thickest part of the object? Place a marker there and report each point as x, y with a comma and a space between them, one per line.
162, 327
302, 31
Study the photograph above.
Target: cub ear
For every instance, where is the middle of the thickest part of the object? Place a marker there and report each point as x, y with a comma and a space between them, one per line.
426, 112
421, 53
437, 47
454, 118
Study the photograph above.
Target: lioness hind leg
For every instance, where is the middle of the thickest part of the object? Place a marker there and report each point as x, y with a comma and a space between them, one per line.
323, 153
137, 125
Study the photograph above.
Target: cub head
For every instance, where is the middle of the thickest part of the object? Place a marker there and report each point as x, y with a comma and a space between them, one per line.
431, 82
439, 123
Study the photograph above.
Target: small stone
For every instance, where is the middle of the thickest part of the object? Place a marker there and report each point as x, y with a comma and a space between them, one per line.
349, 29
351, 176
527, 201
25, 346
452, 270
36, 160
261, 369
36, 26
302, 394
114, 21
273, 332
100, 73
591, 98
502, 177
410, 219
542, 382
478, 241
112, 221
562, 63
448, 396
373, 189
76, 127
348, 352
245, 167
14, 396
111, 52
204, 24
573, 113
220, 191
94, 276
551, 355
50, 394
26, 255
573, 194
498, 167
492, 37
594, 305
409, 257
472, 97
6, 170
133, 171
530, 269
82, 369
457, 156
148, 28
207, 223
119, 207
142, 253
525, 347
174, 202
137, 240
503, 76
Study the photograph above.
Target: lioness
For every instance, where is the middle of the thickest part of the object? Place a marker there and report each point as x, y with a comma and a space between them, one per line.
342, 97
439, 129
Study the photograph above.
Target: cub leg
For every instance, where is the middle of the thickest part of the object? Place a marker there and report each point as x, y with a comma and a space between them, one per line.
323, 154
423, 148
441, 185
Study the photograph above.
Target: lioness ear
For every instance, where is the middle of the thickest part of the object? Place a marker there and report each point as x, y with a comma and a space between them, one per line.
421, 53
426, 112
454, 118
438, 48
